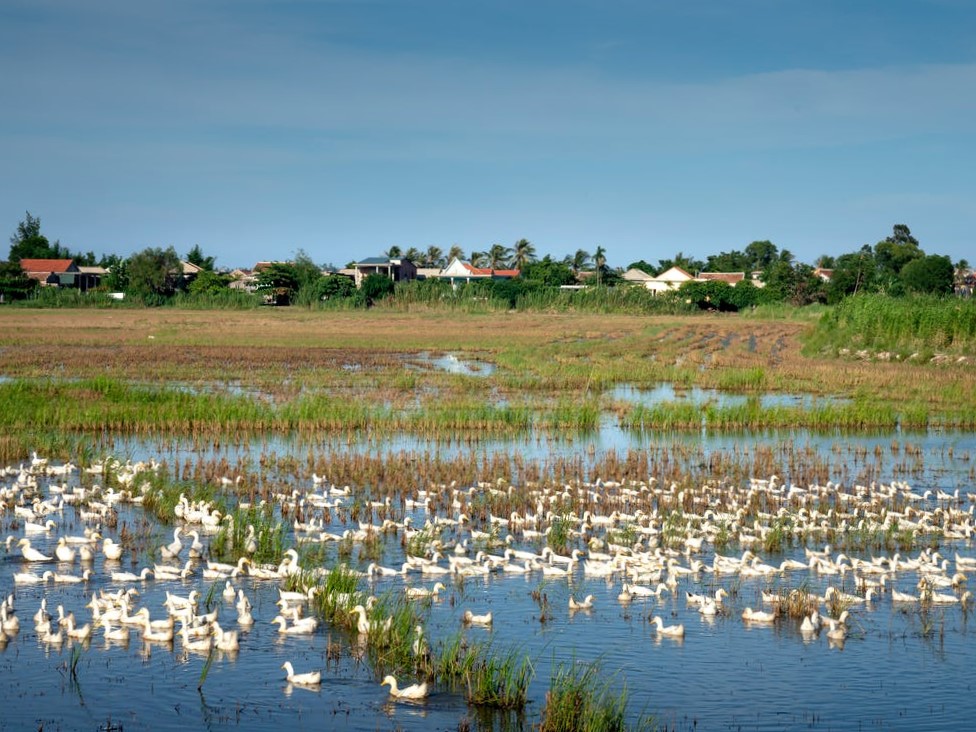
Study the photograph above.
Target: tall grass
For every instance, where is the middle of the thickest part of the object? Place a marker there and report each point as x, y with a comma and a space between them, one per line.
255, 532
580, 699
500, 680
905, 326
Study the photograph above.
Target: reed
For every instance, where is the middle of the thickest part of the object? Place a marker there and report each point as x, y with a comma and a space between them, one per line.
337, 592
255, 532
162, 493
905, 326
456, 657
581, 700
500, 680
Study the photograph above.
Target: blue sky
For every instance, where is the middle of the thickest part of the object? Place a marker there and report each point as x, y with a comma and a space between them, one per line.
256, 128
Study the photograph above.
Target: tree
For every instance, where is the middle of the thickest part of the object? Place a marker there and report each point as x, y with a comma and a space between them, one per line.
208, 282
376, 287
14, 282
734, 261
117, 279
643, 266
455, 252
548, 272
307, 272
760, 254
413, 254
434, 257
853, 273
154, 274
892, 254
196, 256
479, 259
278, 282
336, 287
792, 283
29, 243
394, 252
600, 262
522, 254
578, 262
932, 274
709, 295
688, 264
497, 256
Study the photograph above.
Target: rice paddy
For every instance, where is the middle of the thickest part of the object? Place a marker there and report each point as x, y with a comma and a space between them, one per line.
331, 461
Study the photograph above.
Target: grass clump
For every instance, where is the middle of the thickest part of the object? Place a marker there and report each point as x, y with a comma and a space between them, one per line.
500, 680
578, 700
254, 532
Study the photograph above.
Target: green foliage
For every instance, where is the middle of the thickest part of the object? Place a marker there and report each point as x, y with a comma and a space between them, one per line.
580, 699
853, 273
549, 272
793, 283
893, 253
278, 282
500, 681
28, 242
336, 287
523, 253
689, 264
643, 267
375, 287
208, 282
932, 274
14, 282
710, 295
154, 275
197, 257
900, 325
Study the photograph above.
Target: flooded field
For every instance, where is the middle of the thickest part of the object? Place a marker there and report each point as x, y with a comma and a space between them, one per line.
686, 524
901, 665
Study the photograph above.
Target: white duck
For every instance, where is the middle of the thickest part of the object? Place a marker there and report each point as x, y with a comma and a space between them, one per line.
414, 691
470, 618
668, 631
30, 553
310, 678
585, 604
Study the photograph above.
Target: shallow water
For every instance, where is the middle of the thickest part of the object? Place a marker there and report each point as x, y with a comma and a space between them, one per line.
892, 673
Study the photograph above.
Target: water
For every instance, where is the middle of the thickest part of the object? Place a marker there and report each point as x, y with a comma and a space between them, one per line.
664, 393
453, 363
893, 672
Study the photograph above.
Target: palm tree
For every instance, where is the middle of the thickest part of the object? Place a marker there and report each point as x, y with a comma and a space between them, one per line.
522, 254
600, 260
578, 261
455, 252
394, 252
498, 255
413, 254
479, 259
434, 256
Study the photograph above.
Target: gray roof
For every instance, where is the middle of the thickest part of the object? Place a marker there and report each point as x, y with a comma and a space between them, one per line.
374, 260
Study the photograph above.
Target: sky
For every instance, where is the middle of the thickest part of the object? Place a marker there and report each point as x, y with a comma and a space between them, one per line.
259, 128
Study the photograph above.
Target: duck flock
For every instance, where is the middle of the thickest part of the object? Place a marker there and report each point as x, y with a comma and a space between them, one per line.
759, 554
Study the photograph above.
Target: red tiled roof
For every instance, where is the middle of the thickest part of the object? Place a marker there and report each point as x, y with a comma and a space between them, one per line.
488, 272
730, 277
45, 265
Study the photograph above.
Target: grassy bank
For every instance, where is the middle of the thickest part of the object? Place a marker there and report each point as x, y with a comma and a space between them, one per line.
284, 370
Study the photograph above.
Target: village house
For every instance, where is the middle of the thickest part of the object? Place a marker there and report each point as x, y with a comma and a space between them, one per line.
62, 273
398, 269
459, 271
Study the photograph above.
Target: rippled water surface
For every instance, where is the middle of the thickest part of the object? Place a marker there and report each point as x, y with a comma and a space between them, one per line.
898, 669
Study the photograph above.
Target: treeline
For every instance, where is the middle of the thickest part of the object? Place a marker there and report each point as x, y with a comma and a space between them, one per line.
895, 266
